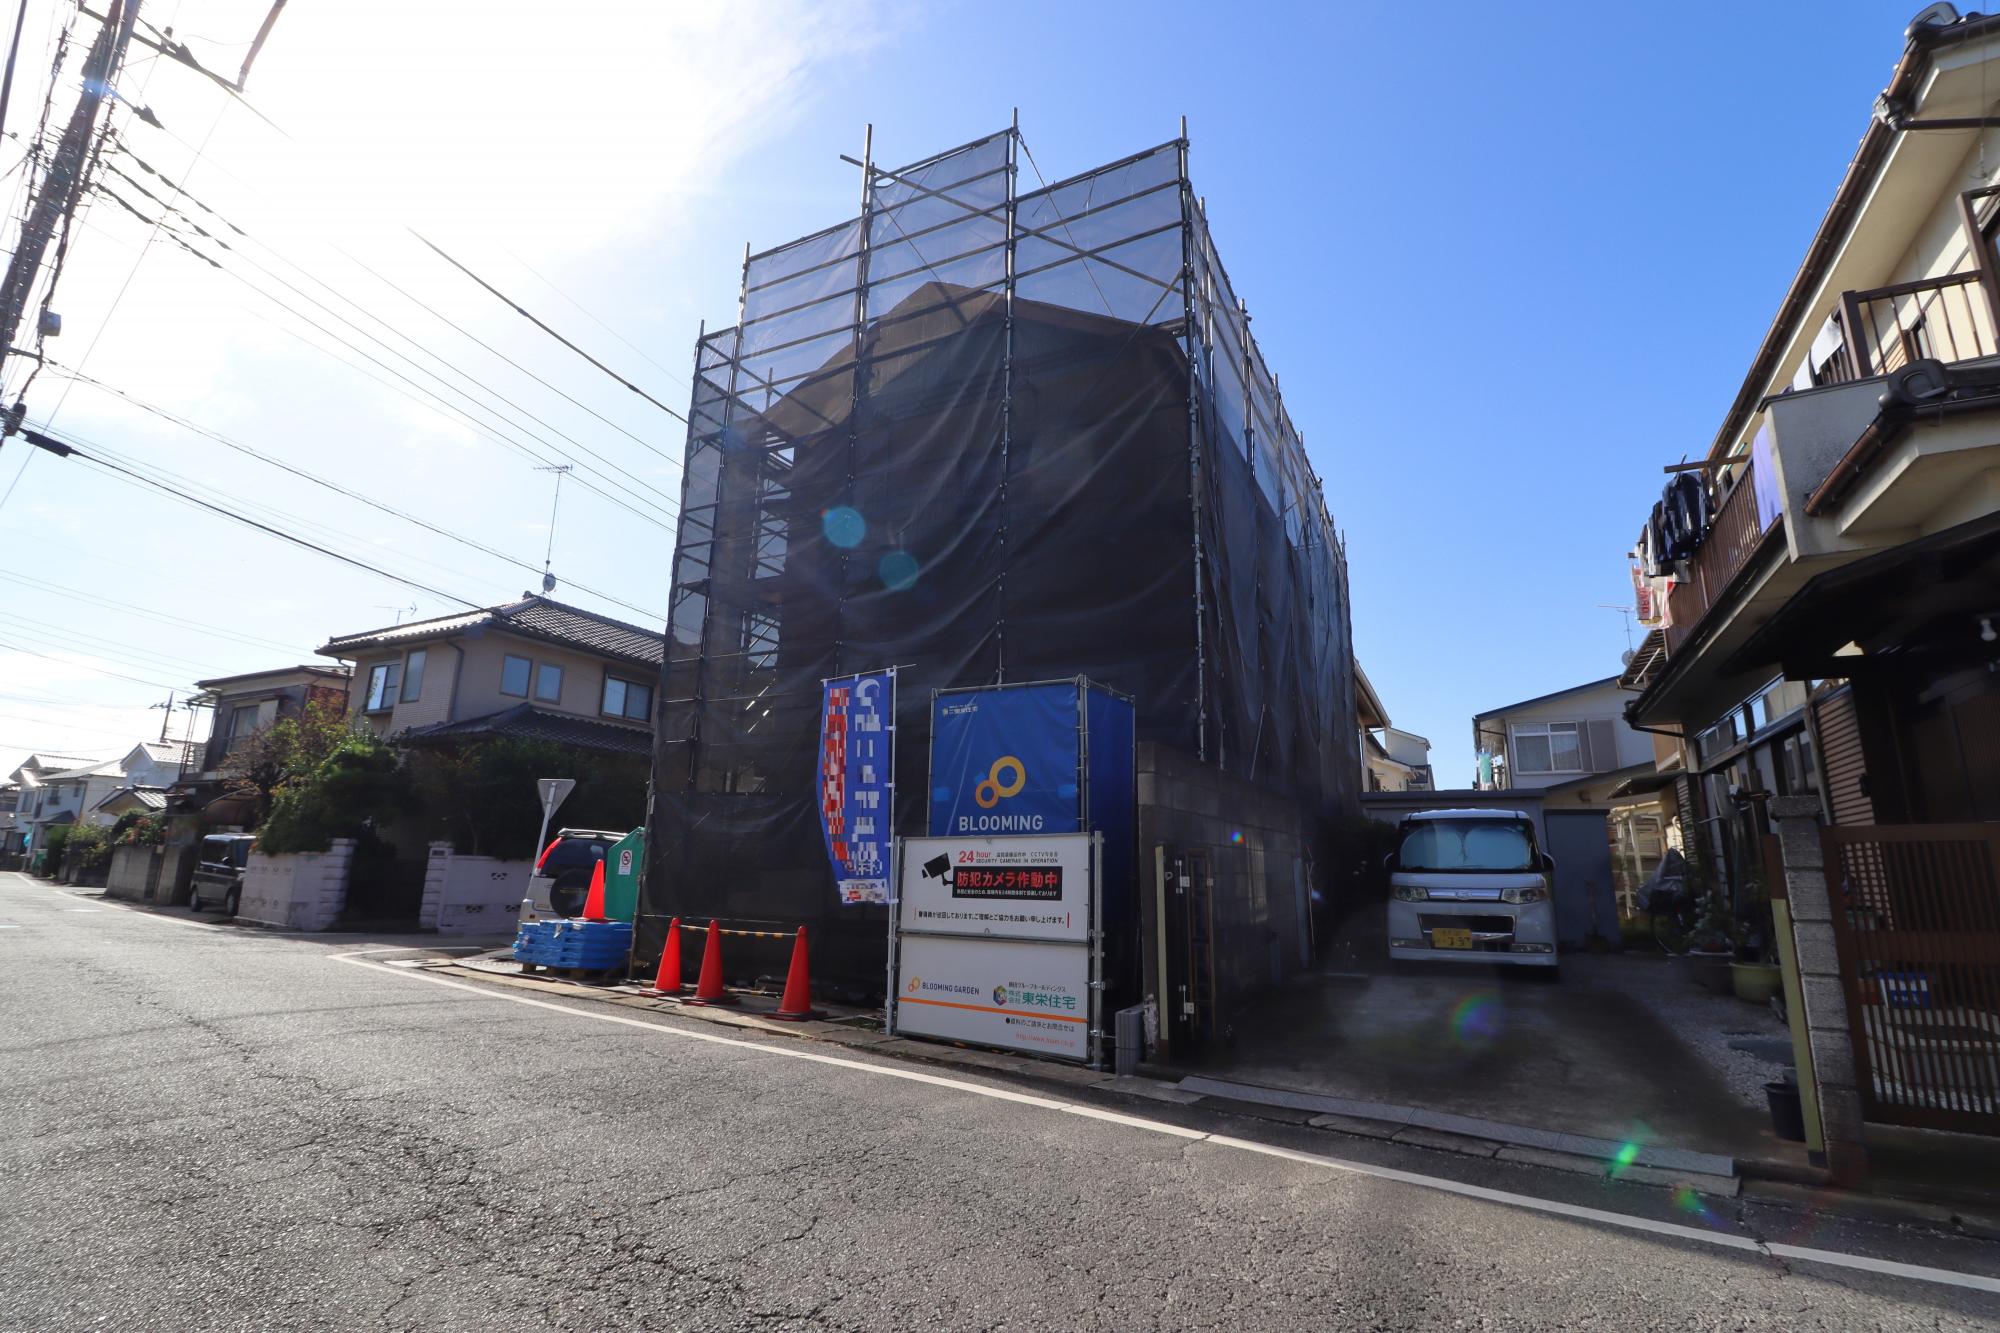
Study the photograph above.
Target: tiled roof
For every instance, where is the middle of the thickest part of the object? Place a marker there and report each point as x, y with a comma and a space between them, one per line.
153, 798
536, 617
527, 722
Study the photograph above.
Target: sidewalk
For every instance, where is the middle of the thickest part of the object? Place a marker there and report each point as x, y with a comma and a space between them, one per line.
1914, 1182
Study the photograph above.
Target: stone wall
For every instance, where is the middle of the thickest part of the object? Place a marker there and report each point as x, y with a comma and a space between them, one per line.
1827, 1033
471, 895
301, 891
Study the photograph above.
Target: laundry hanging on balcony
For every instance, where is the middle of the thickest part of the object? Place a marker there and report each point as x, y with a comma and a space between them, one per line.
1683, 514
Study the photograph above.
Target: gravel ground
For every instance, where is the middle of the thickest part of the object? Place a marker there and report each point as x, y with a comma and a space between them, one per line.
1704, 1021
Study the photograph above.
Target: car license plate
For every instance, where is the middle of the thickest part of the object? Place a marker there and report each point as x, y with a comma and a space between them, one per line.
1451, 939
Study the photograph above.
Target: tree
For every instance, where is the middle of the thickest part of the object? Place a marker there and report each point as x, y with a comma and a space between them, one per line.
289, 749
485, 795
358, 786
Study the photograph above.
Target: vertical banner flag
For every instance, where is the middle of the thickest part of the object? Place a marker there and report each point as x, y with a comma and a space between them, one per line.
857, 781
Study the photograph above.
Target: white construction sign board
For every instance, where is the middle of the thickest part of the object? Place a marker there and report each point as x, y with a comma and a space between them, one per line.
994, 941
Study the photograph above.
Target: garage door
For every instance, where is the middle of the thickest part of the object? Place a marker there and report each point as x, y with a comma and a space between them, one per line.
1585, 903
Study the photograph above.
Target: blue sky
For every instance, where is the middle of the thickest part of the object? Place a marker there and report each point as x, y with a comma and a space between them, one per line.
1506, 262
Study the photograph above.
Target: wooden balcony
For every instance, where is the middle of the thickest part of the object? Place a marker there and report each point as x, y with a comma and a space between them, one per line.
1734, 536
1947, 319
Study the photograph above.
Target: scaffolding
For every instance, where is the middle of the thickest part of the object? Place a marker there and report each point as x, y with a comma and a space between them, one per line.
984, 435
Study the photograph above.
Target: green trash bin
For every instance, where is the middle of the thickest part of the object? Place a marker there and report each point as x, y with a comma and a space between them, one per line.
622, 865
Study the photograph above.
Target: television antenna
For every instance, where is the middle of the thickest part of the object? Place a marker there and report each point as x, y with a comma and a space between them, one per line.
1626, 612
561, 470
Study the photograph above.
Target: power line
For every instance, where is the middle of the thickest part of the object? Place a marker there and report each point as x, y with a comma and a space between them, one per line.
519, 310
487, 389
457, 416
639, 440
178, 622
585, 312
55, 446
283, 466
97, 670
480, 425
98, 645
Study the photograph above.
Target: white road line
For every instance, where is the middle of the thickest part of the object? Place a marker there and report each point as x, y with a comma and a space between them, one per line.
1834, 1258
83, 909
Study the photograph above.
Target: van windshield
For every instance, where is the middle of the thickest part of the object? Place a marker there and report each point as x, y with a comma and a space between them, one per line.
1472, 845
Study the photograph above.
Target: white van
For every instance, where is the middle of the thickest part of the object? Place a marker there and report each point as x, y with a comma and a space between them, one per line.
1470, 886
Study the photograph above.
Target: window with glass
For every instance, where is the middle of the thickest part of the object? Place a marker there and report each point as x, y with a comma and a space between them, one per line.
548, 683
1547, 747
514, 675
413, 675
1487, 846
1800, 773
383, 678
242, 721
627, 698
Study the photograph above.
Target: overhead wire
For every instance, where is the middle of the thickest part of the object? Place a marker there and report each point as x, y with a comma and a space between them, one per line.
293, 469
446, 319
449, 365
35, 584
660, 504
94, 670
522, 311
45, 441
585, 312
113, 649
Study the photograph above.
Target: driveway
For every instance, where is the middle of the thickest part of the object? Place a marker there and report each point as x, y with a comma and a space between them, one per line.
1584, 1055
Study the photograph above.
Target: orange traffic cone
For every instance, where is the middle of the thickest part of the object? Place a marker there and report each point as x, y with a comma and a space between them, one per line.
669, 982
796, 1005
593, 902
708, 986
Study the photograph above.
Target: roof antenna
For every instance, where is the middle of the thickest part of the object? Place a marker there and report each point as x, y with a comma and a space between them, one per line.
561, 470
400, 611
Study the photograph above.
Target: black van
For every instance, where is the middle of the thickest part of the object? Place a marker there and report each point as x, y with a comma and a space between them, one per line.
218, 880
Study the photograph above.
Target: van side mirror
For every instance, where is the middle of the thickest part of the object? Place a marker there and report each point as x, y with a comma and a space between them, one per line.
1389, 863
1548, 864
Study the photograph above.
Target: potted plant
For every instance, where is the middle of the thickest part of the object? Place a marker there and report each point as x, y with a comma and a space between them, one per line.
1753, 976
1711, 945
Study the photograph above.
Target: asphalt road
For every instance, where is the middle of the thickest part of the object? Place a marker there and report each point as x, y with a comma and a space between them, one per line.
214, 1127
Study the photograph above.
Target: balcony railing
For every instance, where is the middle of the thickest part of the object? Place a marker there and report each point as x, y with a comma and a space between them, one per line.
1945, 318
1733, 537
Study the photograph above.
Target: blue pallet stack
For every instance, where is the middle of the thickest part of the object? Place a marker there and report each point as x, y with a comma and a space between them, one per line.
586, 945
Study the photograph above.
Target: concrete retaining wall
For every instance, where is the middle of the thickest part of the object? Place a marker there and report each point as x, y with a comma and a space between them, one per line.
134, 872
471, 895
303, 891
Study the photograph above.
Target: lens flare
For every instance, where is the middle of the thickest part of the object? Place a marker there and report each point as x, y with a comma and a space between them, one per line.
1477, 1019
1687, 1201
898, 570
1236, 837
844, 527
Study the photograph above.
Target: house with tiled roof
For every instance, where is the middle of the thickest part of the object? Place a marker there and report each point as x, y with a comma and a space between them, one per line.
534, 669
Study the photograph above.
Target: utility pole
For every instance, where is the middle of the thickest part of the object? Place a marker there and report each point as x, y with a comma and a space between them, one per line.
62, 183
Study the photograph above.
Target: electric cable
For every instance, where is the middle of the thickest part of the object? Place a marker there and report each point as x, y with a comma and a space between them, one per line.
522, 312
53, 445
283, 466
35, 584
85, 666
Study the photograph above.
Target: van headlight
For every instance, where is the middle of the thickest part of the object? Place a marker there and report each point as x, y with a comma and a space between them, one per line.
1530, 893
1410, 893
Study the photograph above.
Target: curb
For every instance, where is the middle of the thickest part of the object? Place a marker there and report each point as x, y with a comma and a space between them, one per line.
1464, 1135
1483, 1138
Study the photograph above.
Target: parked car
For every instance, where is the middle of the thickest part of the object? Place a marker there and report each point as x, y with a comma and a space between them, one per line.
1470, 886
561, 877
218, 877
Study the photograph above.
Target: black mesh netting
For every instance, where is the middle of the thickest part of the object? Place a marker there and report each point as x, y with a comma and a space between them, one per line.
911, 454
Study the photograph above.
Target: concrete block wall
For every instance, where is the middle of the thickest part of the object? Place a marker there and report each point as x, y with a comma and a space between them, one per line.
471, 895
299, 891
1827, 1032
131, 874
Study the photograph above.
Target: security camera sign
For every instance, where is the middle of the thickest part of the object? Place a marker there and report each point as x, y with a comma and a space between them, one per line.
1027, 888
